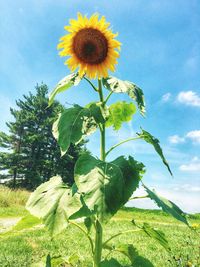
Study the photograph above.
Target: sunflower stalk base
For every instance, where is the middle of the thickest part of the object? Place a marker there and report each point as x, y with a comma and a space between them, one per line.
98, 244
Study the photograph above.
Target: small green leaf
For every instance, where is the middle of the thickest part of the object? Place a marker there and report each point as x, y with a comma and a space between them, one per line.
97, 112
119, 86
120, 112
157, 235
101, 184
72, 126
132, 171
54, 202
67, 82
167, 206
146, 136
110, 263
88, 223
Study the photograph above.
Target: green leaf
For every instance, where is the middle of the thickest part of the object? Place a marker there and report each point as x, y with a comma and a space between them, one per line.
101, 184
110, 263
146, 136
67, 82
88, 223
54, 202
97, 112
132, 171
119, 86
120, 112
72, 126
167, 206
157, 235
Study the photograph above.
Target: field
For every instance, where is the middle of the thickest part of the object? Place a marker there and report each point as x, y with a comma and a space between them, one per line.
29, 246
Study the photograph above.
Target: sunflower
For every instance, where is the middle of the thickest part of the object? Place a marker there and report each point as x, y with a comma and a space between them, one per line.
91, 46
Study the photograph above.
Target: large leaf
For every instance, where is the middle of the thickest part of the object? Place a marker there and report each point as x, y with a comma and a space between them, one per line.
146, 136
167, 206
72, 125
67, 82
119, 86
120, 112
110, 263
157, 235
54, 202
101, 183
132, 171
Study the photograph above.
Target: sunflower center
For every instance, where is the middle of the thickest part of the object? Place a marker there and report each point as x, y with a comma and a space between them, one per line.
90, 46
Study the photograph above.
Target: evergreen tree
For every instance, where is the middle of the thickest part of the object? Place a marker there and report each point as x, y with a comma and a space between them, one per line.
30, 150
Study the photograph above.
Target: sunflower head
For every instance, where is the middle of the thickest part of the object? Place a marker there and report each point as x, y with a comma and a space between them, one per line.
90, 46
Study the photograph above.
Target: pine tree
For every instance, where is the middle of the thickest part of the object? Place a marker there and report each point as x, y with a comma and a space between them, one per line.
30, 150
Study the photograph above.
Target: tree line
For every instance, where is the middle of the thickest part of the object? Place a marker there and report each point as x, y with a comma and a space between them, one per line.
29, 150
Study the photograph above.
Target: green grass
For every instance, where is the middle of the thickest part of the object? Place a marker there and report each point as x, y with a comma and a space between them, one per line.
28, 247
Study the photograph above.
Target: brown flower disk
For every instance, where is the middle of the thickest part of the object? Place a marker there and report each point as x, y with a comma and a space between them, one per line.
90, 46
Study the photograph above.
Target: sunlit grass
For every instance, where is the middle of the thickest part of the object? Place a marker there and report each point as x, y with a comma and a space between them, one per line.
28, 247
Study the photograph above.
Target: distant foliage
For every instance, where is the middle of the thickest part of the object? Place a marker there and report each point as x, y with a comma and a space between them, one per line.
30, 150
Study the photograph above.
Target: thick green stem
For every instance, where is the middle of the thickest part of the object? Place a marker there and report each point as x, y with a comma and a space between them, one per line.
102, 130
98, 244
98, 227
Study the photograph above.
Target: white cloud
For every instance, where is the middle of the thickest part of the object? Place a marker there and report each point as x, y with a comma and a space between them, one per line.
194, 136
166, 97
193, 166
189, 98
176, 139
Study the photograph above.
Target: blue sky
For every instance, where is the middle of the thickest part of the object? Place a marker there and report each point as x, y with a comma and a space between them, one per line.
160, 53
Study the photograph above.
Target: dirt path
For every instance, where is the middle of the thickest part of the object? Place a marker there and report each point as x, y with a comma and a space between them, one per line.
7, 223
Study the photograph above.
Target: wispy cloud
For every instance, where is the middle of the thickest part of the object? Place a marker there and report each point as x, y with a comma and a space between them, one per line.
176, 139
189, 98
166, 97
193, 166
194, 136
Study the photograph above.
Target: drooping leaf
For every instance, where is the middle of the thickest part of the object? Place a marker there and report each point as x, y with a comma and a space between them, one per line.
157, 235
72, 125
167, 206
101, 183
54, 202
146, 136
134, 92
132, 171
120, 112
110, 263
64, 84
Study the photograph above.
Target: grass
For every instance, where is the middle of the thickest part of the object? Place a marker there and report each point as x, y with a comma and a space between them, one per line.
28, 247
